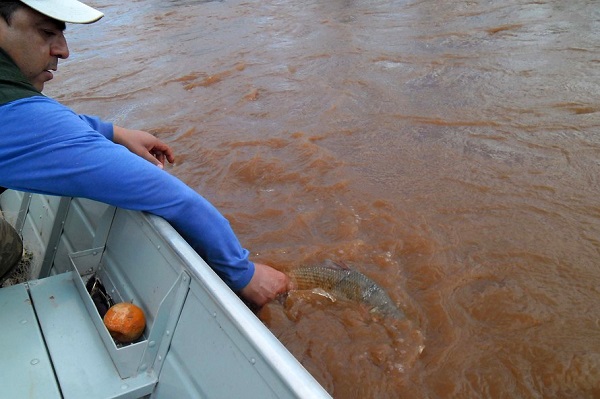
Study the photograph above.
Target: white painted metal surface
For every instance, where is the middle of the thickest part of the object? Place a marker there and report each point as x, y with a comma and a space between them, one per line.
200, 340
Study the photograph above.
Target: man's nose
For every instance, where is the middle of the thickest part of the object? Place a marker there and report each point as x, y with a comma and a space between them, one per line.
59, 47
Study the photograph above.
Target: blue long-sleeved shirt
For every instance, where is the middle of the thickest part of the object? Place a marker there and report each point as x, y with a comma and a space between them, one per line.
47, 148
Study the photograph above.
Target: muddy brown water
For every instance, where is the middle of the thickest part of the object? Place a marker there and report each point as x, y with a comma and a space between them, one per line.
448, 150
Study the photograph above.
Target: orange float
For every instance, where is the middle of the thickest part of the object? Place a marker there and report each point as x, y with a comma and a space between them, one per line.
125, 322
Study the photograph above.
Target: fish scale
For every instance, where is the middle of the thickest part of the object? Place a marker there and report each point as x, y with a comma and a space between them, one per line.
349, 284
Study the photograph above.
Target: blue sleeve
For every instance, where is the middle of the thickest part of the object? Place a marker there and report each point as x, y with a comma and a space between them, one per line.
97, 124
47, 148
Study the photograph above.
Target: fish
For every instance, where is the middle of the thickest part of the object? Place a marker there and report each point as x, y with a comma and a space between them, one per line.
342, 281
99, 296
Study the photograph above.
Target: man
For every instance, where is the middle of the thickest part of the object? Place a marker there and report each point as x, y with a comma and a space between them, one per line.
11, 249
47, 148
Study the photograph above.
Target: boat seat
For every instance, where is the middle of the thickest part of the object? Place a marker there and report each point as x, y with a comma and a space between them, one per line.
75, 346
26, 370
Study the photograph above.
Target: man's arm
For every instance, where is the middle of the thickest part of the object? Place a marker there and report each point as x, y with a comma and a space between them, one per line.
266, 284
144, 145
139, 142
57, 153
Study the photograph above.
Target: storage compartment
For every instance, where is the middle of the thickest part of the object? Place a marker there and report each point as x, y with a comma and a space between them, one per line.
141, 355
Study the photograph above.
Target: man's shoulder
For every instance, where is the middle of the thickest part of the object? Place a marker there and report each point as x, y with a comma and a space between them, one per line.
35, 107
44, 114
40, 100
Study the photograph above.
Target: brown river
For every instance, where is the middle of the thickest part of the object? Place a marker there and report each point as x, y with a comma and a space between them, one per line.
449, 150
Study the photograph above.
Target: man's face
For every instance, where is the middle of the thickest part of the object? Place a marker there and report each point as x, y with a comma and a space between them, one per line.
35, 42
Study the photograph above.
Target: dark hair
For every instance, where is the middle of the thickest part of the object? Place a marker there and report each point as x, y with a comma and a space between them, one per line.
8, 7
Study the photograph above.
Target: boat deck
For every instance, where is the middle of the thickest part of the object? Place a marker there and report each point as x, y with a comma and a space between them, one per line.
29, 373
200, 339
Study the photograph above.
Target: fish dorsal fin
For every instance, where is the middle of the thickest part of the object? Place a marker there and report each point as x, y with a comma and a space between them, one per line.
339, 265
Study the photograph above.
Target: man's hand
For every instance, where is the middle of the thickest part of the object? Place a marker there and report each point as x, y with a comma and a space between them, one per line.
265, 285
144, 144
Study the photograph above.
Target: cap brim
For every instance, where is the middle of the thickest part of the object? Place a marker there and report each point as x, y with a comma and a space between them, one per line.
72, 11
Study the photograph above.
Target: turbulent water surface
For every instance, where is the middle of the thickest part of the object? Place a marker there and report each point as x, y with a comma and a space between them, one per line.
448, 149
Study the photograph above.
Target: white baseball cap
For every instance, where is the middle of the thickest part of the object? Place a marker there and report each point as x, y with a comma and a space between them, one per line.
72, 11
